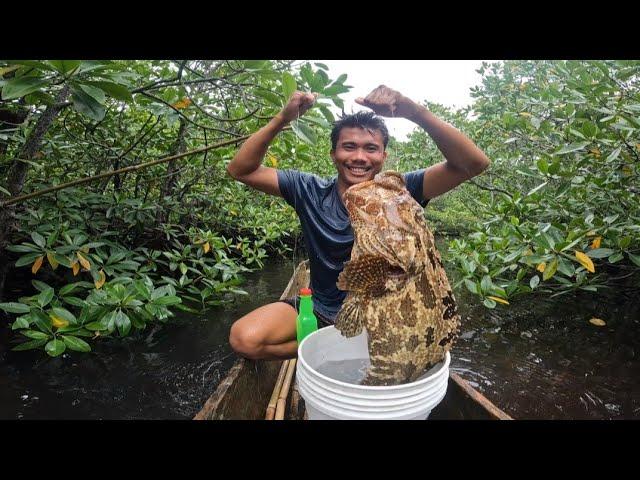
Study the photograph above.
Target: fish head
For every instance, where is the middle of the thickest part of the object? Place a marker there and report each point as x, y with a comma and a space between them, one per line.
387, 223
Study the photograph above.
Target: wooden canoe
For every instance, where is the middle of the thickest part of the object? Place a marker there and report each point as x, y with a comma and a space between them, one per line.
257, 390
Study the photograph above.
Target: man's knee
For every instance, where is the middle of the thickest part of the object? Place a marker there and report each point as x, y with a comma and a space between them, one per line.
243, 342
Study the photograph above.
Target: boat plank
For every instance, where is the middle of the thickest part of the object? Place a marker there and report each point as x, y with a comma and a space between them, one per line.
245, 393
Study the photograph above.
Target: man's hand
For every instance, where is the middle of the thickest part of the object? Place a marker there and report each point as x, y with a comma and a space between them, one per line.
389, 103
297, 106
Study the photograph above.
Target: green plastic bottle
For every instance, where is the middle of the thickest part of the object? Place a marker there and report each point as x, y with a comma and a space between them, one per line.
306, 322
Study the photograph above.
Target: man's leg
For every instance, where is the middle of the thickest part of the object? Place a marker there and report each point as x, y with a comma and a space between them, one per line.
266, 333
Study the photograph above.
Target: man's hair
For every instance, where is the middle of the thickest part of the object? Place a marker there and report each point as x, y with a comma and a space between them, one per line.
364, 119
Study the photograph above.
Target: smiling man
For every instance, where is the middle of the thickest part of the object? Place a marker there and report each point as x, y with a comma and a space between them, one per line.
358, 150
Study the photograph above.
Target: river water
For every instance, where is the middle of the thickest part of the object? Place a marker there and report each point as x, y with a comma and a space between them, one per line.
536, 359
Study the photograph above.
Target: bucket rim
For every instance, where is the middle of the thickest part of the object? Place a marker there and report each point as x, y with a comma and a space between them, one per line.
442, 365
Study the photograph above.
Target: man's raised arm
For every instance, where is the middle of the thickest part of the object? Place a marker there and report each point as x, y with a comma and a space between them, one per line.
246, 166
464, 160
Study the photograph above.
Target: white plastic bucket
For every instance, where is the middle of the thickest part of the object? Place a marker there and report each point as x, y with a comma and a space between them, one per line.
330, 399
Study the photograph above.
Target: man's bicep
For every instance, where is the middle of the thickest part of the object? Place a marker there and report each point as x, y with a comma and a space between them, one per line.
441, 178
264, 179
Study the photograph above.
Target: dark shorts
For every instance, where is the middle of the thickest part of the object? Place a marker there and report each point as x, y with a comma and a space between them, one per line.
322, 320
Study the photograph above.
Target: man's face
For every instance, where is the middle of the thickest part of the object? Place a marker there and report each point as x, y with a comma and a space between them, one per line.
359, 155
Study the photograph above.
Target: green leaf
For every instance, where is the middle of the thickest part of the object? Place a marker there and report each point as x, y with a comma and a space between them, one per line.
30, 345
634, 258
600, 252
110, 320
119, 92
75, 343
269, 97
624, 242
38, 239
471, 286
327, 114
82, 332
534, 282
34, 334
21, 322
589, 129
75, 301
55, 347
169, 300
35, 64
45, 297
62, 260
317, 121
40, 286
486, 284
100, 325
341, 79
289, 85
123, 323
65, 66
39, 97
87, 105
304, 132
69, 288
89, 65
23, 249
550, 269
566, 267
616, 257
5, 70
19, 87
572, 148
613, 155
554, 167
334, 90
64, 314
534, 190
255, 64
489, 303
41, 320
27, 259
590, 288
14, 307
137, 322
96, 93
543, 166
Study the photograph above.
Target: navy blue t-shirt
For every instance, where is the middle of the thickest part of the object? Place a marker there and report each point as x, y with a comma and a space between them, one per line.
327, 230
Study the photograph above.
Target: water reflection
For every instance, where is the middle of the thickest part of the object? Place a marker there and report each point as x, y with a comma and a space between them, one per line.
536, 359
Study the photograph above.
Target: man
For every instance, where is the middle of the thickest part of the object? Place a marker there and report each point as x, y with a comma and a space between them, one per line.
358, 151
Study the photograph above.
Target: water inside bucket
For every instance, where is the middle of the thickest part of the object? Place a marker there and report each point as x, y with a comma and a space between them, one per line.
348, 371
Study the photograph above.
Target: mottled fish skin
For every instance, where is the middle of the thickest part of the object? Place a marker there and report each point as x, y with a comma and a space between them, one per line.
397, 286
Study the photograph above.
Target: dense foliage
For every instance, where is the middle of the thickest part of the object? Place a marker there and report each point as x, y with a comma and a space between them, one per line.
557, 211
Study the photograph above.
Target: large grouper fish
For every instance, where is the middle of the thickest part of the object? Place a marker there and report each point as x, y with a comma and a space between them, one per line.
397, 286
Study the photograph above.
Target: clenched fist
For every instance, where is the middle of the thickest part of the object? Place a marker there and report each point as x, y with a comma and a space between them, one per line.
389, 103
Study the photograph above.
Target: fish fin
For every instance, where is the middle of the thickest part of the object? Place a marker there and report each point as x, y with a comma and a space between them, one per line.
367, 274
349, 320
380, 377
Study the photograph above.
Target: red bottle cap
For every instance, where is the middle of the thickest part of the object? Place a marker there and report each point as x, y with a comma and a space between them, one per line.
305, 291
